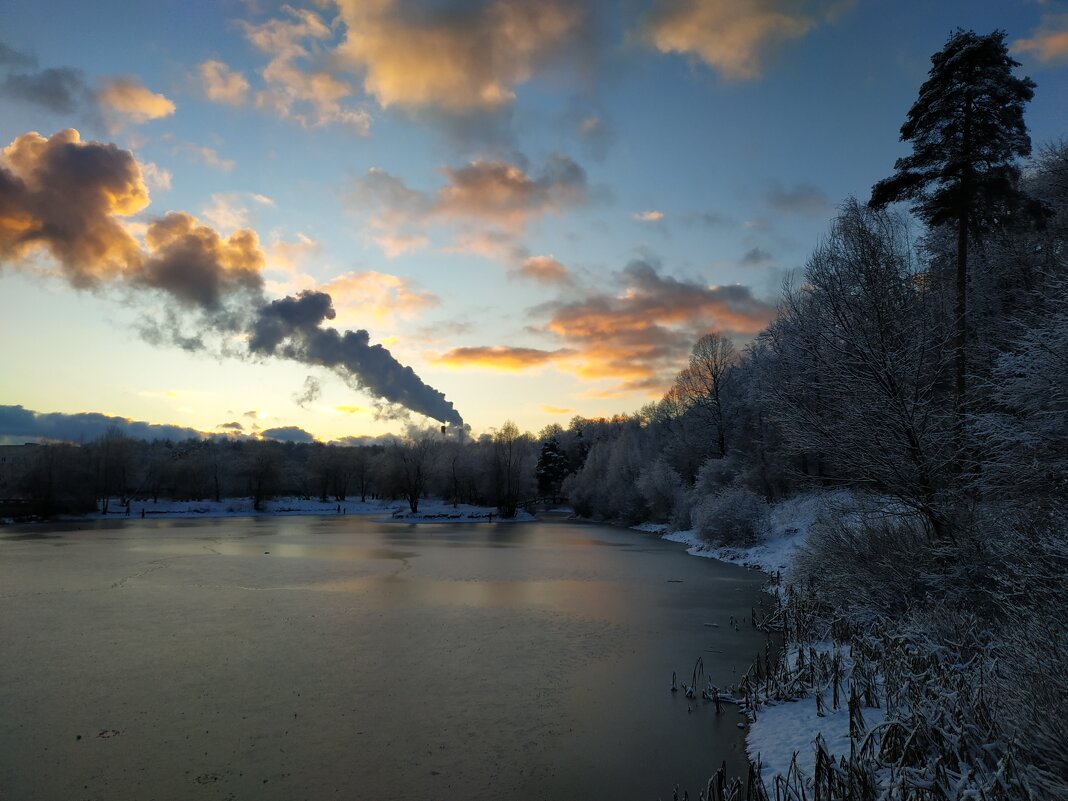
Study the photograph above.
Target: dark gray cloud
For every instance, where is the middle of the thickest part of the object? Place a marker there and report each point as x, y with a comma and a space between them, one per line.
287, 434
197, 267
63, 90
15, 421
10, 57
232, 426
59, 89
803, 199
757, 257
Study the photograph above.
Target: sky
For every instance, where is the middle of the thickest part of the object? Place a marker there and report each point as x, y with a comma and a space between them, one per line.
335, 219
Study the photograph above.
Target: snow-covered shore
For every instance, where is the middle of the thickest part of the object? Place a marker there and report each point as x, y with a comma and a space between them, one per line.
787, 529
785, 729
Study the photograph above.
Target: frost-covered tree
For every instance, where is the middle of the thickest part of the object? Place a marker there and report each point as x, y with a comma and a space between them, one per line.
605, 486
860, 355
510, 451
660, 486
552, 468
1024, 432
967, 132
412, 466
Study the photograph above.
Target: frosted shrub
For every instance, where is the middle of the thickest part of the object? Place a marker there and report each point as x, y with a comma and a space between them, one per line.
604, 489
871, 566
714, 475
732, 516
658, 484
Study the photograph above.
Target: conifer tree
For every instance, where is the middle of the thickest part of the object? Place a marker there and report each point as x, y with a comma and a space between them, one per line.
967, 131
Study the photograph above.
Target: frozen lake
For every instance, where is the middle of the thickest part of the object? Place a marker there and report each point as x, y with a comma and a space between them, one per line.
340, 657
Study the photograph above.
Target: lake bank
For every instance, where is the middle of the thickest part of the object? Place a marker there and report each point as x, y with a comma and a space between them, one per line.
430, 510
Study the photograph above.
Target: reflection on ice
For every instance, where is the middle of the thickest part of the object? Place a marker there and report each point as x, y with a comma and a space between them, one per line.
323, 657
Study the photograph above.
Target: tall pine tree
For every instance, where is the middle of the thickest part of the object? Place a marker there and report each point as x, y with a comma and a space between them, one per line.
967, 132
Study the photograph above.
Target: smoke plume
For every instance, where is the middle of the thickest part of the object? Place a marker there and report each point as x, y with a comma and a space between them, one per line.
68, 199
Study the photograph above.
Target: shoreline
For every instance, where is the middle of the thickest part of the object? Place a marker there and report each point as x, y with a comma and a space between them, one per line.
784, 731
430, 511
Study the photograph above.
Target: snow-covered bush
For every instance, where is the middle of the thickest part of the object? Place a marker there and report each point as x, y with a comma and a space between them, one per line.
971, 631
605, 486
659, 485
714, 475
732, 516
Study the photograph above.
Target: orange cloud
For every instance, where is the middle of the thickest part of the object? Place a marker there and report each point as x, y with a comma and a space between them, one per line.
205, 155
379, 296
636, 338
68, 197
1049, 43
492, 201
222, 84
311, 97
506, 194
499, 357
648, 216
453, 59
732, 37
126, 100
545, 407
286, 257
544, 270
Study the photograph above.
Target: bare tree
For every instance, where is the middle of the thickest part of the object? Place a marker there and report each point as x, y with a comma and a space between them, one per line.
705, 383
415, 460
861, 358
510, 455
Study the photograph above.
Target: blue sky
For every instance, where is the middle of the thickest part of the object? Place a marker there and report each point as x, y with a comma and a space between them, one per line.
536, 207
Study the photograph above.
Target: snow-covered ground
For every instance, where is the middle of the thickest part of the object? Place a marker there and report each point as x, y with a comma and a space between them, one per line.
430, 511
787, 529
790, 727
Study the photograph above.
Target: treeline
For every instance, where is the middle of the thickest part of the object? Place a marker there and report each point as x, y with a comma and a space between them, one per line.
503, 468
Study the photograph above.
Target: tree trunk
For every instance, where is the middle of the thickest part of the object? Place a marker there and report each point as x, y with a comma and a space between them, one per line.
960, 342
